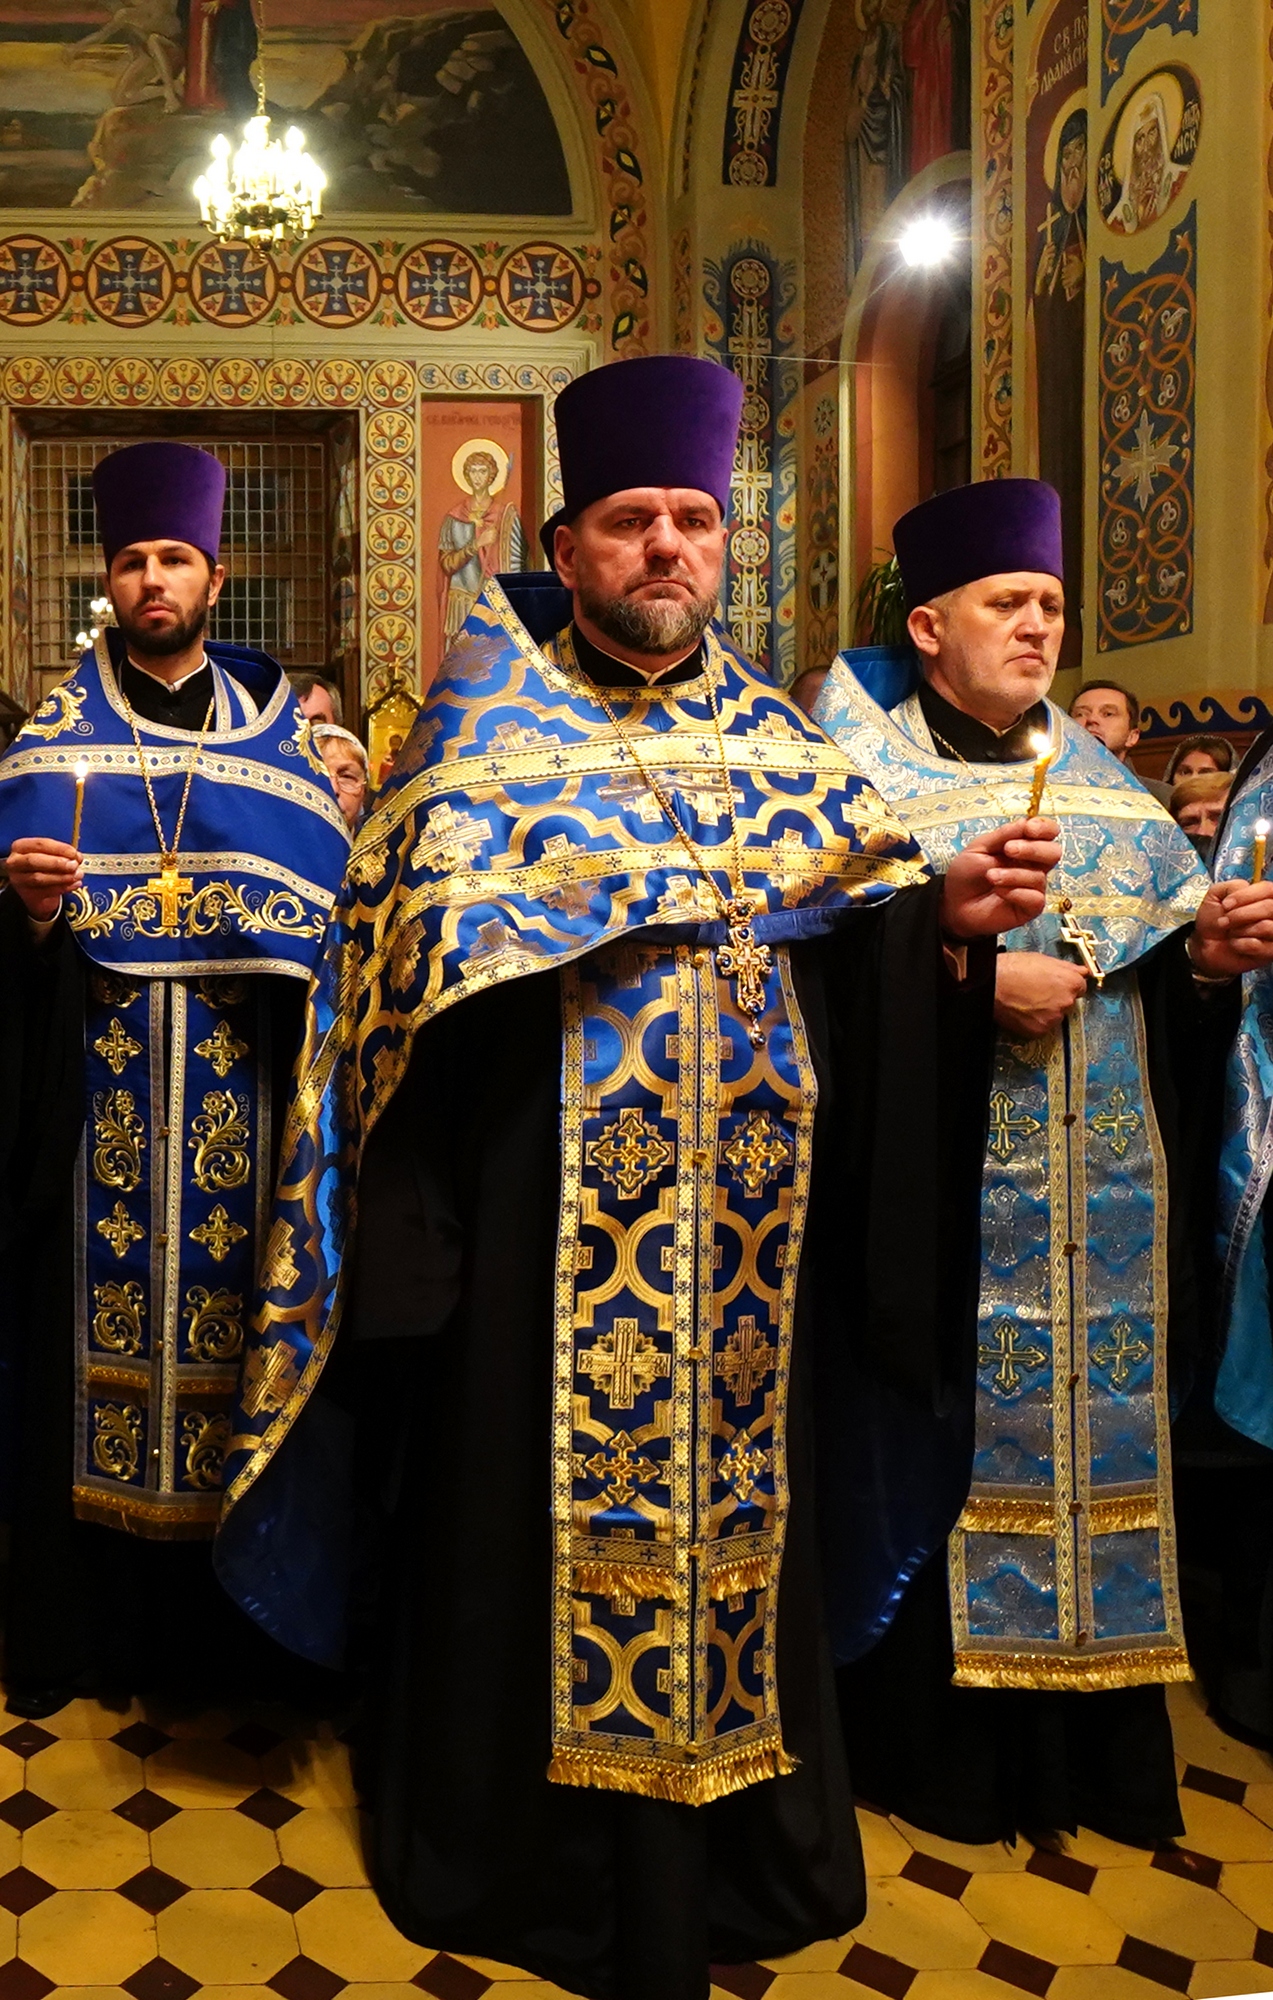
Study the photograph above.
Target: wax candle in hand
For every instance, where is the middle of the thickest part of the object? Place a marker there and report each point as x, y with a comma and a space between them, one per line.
1259, 849
1043, 753
81, 774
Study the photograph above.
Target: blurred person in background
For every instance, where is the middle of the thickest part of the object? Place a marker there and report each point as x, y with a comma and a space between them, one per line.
1196, 754
1197, 806
318, 697
1111, 713
346, 759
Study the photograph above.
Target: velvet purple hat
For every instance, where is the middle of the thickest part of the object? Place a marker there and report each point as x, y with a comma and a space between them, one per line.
988, 529
159, 492
664, 420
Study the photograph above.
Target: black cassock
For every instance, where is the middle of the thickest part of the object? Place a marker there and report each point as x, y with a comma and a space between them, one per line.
447, 1355
89, 1607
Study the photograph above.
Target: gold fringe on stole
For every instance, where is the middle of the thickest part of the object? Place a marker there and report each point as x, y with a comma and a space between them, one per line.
684, 1784
987, 1514
613, 1579
1140, 1668
736, 1579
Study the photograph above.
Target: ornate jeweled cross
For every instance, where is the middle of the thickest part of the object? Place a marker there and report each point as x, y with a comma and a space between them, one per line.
1116, 1121
1003, 1125
624, 1363
1084, 942
1123, 1348
1002, 1347
748, 963
171, 888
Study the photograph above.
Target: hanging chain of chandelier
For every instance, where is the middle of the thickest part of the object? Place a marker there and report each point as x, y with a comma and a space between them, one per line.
269, 191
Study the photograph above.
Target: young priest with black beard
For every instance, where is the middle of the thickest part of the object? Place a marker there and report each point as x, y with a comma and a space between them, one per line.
156, 938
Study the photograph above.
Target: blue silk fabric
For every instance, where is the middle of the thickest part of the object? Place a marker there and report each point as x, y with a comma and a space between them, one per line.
520, 836
172, 1181
1244, 1382
1062, 1565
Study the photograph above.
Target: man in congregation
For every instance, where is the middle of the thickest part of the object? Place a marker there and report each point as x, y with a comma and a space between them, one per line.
1020, 1685
1111, 713
173, 850
653, 1038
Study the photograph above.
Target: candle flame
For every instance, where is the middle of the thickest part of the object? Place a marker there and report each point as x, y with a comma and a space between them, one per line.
1262, 828
81, 770
1041, 744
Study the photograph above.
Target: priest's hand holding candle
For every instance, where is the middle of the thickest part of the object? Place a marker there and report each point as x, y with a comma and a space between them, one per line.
41, 871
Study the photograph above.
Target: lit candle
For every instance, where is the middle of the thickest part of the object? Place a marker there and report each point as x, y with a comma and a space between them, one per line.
1043, 755
1259, 849
81, 774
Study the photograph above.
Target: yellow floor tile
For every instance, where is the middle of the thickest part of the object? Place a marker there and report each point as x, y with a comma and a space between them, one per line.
492, 1970
79, 1773
1219, 1981
1222, 1830
1249, 1885
539, 1989
885, 1851
10, 1847
1098, 1852
326, 1842
100, 1992
1181, 1916
918, 1926
314, 1774
84, 1937
1259, 1800
995, 1858
826, 1957
12, 1773
85, 1850
1041, 1917
214, 1849
387, 1991
224, 1936
347, 1931
242, 1993
1099, 1982
91, 1718
954, 1986
1201, 1741
810, 1986
194, 1773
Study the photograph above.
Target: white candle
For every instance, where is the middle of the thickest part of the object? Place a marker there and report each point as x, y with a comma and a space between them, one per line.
1259, 850
81, 775
1043, 753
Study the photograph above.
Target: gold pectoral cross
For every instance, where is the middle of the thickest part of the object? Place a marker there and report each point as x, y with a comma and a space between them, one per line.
1084, 942
748, 963
170, 886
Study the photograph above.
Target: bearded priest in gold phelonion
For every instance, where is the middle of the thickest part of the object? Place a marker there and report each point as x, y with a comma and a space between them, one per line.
1020, 1686
648, 1042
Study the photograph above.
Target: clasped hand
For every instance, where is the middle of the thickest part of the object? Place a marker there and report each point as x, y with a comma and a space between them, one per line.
41, 872
1000, 879
1233, 931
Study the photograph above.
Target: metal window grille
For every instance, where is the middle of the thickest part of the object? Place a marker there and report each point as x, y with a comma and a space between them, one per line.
274, 546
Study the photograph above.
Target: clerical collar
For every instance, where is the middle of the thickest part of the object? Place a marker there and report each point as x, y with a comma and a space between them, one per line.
172, 686
957, 734
608, 671
183, 706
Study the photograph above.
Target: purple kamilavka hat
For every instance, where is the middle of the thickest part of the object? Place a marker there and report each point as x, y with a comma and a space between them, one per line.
663, 420
159, 492
992, 528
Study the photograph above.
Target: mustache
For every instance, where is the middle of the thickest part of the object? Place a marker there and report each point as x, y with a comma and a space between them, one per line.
671, 574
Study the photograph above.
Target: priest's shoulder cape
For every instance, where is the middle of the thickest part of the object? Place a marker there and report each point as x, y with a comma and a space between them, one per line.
517, 834
263, 841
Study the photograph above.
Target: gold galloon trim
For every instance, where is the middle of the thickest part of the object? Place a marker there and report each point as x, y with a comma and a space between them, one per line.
1120, 1514
687, 1784
986, 1514
1142, 1668
612, 1579
179, 1520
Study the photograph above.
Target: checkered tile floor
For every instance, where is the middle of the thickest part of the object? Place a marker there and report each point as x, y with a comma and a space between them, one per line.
150, 1855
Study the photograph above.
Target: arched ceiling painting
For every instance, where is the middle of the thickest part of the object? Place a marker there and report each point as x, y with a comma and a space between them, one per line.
415, 109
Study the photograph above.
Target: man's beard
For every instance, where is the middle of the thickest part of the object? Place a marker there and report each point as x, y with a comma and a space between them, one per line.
161, 645
657, 626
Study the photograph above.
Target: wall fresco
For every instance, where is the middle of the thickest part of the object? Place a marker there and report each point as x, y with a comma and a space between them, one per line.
1124, 22
759, 78
992, 270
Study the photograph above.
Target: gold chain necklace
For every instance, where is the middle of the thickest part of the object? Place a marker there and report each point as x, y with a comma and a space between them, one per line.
170, 886
742, 957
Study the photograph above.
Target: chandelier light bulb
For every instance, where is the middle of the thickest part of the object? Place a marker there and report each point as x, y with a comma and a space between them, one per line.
270, 193
926, 242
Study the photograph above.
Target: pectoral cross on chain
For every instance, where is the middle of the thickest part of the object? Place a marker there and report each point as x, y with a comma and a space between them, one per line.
170, 886
748, 963
1084, 942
